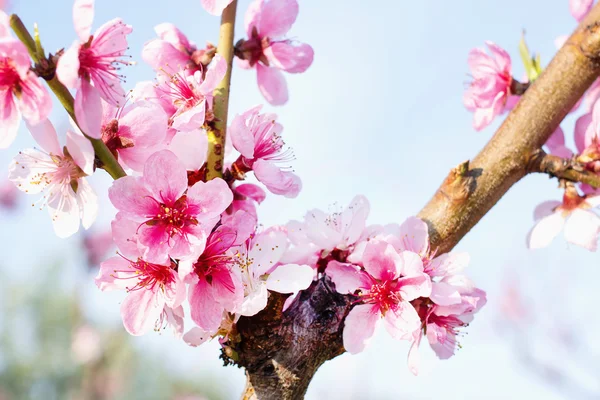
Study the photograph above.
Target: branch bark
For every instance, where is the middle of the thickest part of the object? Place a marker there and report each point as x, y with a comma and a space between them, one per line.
282, 351
217, 130
563, 168
465, 197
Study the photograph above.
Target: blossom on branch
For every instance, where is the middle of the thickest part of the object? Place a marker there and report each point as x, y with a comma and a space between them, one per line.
267, 22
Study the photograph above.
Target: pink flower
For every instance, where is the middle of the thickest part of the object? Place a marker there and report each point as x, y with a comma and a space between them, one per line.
172, 48
488, 93
267, 22
338, 229
258, 138
580, 8
389, 281
258, 260
133, 133
154, 290
215, 285
21, 93
556, 144
187, 98
215, 7
69, 197
453, 301
96, 246
587, 141
92, 66
173, 220
581, 225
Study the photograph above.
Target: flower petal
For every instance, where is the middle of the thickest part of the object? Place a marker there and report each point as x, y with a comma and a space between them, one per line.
165, 176
83, 17
140, 310
272, 85
277, 17
88, 110
359, 327
290, 278
545, 230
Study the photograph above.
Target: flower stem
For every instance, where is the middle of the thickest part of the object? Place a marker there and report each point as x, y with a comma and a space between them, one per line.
108, 161
217, 131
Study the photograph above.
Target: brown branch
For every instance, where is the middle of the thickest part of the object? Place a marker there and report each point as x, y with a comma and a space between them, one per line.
504, 160
282, 351
562, 168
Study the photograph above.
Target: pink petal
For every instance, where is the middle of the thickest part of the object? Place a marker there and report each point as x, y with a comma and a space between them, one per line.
414, 236
545, 209
196, 336
290, 56
448, 264
82, 151
10, 119
140, 310
290, 278
144, 122
545, 230
161, 54
354, 218
67, 69
252, 192
256, 301
415, 286
583, 124
35, 102
403, 322
205, 311
382, 261
359, 327
580, 8
252, 16
582, 229
191, 148
165, 176
213, 197
83, 16
501, 57
174, 318
64, 211
277, 17
114, 273
124, 234
241, 136
191, 119
556, 144
215, 7
214, 75
279, 182
45, 136
413, 355
88, 203
173, 35
16, 52
347, 277
88, 110
129, 195
444, 294
272, 85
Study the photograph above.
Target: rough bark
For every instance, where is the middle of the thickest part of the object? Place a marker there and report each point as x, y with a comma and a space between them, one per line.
281, 352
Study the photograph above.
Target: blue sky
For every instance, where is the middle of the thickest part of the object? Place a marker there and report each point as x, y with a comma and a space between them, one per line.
379, 113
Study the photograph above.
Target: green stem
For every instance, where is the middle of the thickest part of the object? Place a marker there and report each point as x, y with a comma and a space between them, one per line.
109, 162
217, 132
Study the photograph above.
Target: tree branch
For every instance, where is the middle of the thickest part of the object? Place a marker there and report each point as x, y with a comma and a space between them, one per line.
468, 193
562, 168
217, 130
108, 161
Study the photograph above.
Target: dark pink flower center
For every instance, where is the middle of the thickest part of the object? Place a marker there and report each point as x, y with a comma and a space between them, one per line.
383, 294
174, 218
149, 275
9, 77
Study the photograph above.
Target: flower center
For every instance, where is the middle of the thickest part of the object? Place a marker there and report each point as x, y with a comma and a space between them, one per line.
148, 275
9, 77
384, 295
174, 218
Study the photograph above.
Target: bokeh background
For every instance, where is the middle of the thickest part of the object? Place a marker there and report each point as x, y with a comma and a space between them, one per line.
379, 113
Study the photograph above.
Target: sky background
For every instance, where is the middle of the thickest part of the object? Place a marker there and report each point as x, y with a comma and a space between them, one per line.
379, 113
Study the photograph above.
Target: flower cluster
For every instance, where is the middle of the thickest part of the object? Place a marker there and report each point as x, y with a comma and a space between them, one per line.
189, 245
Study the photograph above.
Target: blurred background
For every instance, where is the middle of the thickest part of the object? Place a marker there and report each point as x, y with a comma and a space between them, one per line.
379, 113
